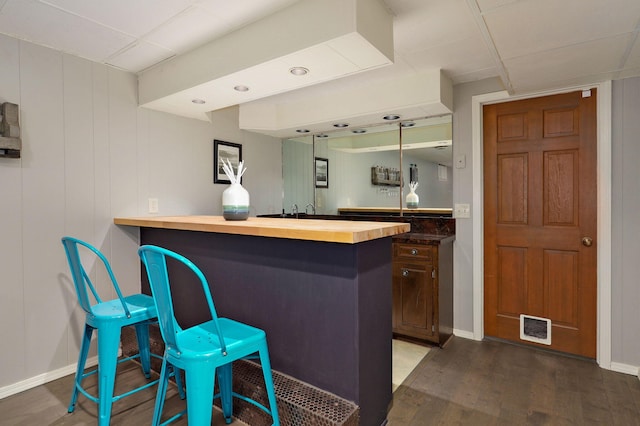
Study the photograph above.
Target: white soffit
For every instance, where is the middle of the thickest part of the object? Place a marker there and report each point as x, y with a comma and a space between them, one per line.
331, 38
420, 95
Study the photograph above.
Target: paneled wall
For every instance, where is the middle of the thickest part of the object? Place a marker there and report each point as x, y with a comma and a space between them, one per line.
90, 154
625, 268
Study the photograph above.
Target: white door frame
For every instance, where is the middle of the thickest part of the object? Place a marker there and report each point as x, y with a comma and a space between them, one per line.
603, 352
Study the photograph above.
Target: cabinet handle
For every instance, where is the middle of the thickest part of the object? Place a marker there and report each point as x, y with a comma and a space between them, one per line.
414, 251
405, 272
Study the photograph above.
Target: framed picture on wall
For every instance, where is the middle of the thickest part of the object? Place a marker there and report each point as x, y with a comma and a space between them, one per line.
322, 172
225, 151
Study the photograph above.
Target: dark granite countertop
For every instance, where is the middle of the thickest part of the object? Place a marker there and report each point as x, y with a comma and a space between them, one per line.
422, 238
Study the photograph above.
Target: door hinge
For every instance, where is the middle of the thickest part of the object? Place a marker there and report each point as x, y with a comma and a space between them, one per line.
433, 328
433, 273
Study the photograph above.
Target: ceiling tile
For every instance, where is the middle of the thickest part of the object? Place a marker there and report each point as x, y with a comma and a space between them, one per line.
629, 72
432, 24
129, 16
486, 5
575, 62
45, 25
139, 56
533, 26
243, 11
458, 57
209, 19
634, 56
190, 29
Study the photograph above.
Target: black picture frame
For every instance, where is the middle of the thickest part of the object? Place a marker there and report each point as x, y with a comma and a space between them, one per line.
321, 172
227, 151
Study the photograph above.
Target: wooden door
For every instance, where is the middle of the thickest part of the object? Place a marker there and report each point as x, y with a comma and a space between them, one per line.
540, 219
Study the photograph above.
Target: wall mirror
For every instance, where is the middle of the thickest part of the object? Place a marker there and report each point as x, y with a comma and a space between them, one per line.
367, 169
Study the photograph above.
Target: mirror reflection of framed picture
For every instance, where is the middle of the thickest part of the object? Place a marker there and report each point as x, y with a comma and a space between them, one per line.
227, 151
322, 172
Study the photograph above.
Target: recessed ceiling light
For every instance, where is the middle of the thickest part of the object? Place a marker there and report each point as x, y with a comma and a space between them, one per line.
391, 117
302, 130
299, 71
198, 101
241, 88
359, 131
341, 125
408, 124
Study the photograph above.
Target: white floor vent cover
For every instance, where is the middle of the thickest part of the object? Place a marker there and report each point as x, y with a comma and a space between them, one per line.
535, 329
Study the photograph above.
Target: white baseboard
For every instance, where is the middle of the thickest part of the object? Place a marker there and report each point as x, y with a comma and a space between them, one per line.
634, 370
41, 379
463, 333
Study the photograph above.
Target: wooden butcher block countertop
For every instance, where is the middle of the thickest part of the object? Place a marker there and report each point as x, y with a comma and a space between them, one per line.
332, 231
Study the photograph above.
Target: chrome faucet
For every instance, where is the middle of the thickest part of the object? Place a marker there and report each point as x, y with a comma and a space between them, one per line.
294, 209
313, 208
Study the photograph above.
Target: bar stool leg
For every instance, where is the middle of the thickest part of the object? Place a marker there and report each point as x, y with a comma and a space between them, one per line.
268, 383
161, 393
142, 334
225, 383
108, 345
82, 360
200, 382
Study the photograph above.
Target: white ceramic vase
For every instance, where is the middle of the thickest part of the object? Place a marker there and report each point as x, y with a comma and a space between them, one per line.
235, 202
412, 199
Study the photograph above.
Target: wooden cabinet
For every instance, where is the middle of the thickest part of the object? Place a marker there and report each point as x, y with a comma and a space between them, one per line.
423, 289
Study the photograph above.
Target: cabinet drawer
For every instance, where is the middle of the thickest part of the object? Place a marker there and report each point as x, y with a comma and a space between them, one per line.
412, 251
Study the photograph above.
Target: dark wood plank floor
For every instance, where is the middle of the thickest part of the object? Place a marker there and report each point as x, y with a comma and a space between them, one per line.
47, 404
496, 383
467, 383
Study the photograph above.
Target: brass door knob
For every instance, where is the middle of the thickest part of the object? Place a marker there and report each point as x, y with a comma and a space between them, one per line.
587, 241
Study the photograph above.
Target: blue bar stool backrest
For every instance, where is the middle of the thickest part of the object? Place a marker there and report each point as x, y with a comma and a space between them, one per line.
156, 264
107, 317
81, 279
202, 350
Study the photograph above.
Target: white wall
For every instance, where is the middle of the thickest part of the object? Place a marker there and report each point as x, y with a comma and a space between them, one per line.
90, 154
625, 271
463, 193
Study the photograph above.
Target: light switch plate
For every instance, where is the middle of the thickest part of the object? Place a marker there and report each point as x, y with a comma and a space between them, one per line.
153, 205
462, 211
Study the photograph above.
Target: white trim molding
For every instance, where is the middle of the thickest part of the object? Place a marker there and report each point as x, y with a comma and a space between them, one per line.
625, 368
41, 379
603, 356
463, 334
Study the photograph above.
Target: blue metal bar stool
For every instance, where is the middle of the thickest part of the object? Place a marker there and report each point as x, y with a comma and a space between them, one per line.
203, 350
108, 318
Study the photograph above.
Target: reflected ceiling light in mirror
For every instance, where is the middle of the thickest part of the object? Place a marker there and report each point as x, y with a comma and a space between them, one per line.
358, 131
198, 101
341, 125
241, 88
408, 124
299, 71
322, 135
302, 130
391, 117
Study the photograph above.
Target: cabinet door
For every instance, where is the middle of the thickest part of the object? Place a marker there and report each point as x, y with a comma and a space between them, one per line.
413, 299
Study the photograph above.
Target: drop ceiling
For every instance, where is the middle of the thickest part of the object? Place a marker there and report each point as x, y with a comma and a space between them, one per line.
531, 45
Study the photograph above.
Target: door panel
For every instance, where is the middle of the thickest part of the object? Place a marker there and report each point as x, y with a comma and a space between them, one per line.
540, 201
512, 187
